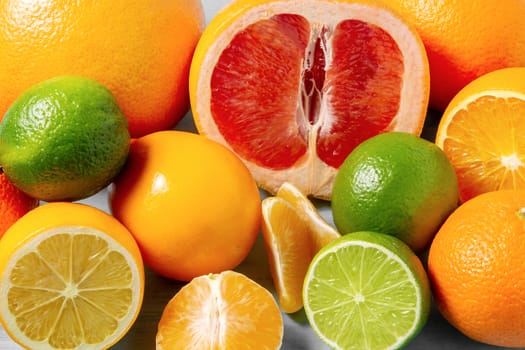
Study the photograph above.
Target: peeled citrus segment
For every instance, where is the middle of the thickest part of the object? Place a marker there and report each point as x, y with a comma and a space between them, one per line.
69, 286
221, 311
292, 90
321, 232
293, 233
366, 290
482, 133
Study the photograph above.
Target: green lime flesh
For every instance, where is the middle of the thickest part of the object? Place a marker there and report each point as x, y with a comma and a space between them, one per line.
65, 138
366, 290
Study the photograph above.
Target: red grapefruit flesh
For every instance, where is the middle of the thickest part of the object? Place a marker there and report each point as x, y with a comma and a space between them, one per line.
294, 92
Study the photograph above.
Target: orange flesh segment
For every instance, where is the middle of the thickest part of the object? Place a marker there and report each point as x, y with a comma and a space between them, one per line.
224, 311
273, 85
486, 145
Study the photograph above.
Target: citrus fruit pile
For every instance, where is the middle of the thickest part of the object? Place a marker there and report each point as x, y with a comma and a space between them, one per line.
306, 132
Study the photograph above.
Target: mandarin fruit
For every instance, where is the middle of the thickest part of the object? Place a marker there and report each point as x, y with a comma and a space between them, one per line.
293, 89
476, 268
482, 132
465, 39
221, 311
192, 205
140, 50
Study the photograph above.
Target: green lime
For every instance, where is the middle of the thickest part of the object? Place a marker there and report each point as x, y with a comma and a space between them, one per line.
366, 290
396, 183
63, 139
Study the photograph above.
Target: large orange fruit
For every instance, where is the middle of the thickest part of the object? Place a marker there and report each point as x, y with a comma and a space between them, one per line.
476, 268
293, 89
465, 39
140, 50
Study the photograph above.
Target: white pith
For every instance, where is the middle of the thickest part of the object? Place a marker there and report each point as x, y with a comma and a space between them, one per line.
71, 290
310, 174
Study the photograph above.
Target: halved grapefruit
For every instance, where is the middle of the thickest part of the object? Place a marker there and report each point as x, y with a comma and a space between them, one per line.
292, 87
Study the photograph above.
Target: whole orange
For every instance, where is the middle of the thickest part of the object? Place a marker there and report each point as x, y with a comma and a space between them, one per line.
191, 204
476, 268
465, 39
140, 50
13, 203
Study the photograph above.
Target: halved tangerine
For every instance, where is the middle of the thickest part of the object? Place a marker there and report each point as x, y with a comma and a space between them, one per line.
292, 89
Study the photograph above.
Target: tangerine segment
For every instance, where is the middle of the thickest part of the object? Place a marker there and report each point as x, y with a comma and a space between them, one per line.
221, 311
292, 90
485, 144
293, 232
322, 233
290, 250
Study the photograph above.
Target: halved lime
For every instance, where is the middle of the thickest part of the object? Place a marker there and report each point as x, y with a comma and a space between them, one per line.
366, 290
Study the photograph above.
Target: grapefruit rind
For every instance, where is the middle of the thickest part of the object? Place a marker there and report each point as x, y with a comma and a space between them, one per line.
309, 174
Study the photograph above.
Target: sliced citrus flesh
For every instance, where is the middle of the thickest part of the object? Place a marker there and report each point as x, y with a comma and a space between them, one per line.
293, 89
483, 133
293, 232
366, 290
72, 278
221, 311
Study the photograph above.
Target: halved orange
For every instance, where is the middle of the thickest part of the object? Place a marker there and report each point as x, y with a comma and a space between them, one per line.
293, 232
292, 89
221, 311
482, 132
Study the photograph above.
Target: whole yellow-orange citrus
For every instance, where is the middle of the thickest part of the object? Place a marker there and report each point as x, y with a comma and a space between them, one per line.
191, 204
465, 39
140, 50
